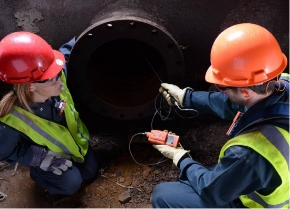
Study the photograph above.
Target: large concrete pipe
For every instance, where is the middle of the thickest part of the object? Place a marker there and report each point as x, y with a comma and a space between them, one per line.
118, 63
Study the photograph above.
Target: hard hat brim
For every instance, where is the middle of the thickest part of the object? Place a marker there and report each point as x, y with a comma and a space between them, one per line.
209, 77
55, 67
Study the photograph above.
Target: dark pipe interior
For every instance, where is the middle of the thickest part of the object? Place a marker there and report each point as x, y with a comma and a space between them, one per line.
119, 73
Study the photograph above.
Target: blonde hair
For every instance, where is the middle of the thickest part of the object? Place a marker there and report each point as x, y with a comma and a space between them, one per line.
20, 96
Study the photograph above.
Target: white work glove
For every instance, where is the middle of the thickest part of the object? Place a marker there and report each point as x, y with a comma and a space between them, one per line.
170, 152
178, 94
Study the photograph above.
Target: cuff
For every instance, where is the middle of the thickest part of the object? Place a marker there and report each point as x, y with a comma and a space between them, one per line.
186, 155
187, 89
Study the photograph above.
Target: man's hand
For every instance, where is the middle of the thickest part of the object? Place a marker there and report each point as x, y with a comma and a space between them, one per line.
170, 152
168, 90
49, 160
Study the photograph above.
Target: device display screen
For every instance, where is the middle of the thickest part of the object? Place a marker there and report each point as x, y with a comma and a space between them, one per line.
170, 139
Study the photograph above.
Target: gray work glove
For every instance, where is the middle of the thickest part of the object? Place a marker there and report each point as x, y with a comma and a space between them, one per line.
49, 160
178, 94
172, 153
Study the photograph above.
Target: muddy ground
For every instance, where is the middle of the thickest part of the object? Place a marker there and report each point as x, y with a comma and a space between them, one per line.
124, 183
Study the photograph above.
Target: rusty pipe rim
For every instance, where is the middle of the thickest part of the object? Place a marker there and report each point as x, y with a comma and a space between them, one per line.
115, 29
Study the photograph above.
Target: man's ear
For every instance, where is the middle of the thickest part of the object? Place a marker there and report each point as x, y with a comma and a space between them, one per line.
246, 92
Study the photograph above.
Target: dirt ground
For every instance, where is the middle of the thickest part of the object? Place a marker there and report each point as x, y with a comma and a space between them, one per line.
124, 183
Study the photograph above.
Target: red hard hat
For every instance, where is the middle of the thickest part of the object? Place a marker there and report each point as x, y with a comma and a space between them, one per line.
26, 57
245, 54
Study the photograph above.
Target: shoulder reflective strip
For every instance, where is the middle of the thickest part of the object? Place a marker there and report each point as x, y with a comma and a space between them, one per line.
82, 135
275, 136
73, 112
79, 132
71, 109
259, 200
39, 130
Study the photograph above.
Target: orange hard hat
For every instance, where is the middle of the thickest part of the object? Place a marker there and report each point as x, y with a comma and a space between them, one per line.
26, 57
244, 55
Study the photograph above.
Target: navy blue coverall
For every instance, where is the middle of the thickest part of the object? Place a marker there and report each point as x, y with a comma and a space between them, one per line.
15, 147
241, 170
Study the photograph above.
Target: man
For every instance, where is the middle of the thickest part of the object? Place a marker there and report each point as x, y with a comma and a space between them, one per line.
253, 167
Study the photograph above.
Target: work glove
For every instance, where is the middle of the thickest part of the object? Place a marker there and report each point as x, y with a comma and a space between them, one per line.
172, 153
49, 160
169, 90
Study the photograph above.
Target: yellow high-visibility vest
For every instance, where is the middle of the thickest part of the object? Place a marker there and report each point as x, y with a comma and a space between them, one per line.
72, 140
273, 144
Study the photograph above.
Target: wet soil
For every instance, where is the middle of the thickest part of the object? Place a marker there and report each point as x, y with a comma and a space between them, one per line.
127, 181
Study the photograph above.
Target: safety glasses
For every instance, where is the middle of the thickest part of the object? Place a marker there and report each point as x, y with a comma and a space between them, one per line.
50, 80
223, 88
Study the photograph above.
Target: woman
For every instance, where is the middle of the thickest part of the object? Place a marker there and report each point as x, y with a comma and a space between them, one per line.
39, 125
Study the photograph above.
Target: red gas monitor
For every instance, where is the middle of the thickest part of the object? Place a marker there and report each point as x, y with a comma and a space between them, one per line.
163, 137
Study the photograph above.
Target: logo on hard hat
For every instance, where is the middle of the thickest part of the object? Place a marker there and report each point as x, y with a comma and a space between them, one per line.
59, 62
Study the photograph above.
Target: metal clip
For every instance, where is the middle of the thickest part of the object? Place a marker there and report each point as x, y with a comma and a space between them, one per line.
60, 105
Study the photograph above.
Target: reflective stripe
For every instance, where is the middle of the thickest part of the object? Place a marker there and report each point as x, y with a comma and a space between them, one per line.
259, 200
275, 137
83, 136
39, 130
77, 128
79, 132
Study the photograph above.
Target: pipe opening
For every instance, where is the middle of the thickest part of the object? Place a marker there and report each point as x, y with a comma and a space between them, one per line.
120, 72
111, 66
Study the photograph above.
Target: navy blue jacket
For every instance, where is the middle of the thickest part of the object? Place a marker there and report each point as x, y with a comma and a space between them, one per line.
241, 170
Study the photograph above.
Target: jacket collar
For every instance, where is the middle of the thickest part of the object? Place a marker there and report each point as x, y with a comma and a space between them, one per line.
269, 109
